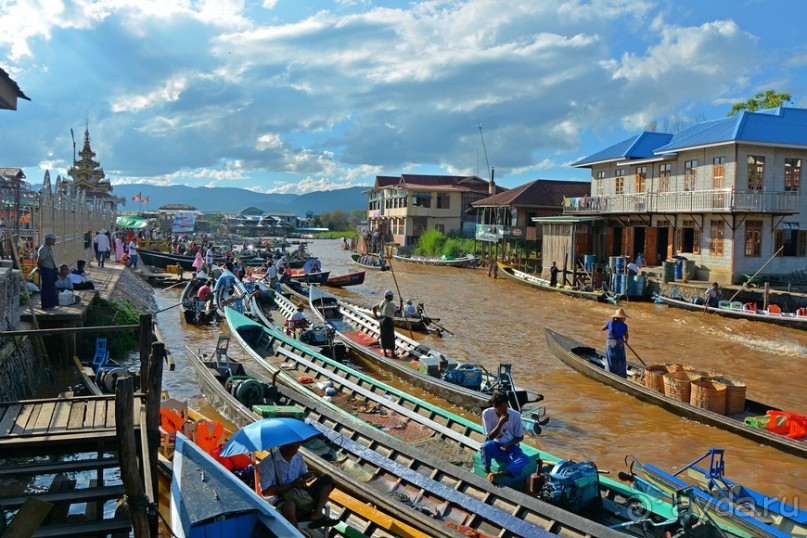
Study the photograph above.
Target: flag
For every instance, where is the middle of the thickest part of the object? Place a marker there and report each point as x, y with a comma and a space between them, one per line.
136, 197
146, 200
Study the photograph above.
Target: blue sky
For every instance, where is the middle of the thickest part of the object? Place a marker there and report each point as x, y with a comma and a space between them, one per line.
294, 95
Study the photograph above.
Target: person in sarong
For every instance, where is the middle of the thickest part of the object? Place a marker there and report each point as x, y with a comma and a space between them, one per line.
616, 363
385, 313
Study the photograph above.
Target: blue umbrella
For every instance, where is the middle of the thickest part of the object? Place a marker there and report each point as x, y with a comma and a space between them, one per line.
268, 433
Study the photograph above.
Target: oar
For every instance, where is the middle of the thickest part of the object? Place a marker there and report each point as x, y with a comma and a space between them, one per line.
400, 297
775, 254
167, 308
637, 355
175, 285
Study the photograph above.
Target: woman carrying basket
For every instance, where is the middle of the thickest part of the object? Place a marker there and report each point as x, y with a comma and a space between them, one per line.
616, 362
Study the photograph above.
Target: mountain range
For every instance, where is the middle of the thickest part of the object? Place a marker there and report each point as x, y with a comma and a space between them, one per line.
234, 200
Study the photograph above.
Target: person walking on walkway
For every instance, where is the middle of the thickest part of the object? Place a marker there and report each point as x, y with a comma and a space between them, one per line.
616, 363
46, 264
133, 253
101, 247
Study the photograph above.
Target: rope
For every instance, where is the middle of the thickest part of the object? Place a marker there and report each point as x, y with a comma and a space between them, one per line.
165, 523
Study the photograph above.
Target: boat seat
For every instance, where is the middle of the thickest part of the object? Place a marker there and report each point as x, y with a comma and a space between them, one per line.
101, 353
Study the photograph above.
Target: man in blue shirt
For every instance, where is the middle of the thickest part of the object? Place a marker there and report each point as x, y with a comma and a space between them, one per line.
616, 362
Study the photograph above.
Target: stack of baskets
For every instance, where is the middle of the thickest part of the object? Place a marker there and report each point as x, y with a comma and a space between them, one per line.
682, 382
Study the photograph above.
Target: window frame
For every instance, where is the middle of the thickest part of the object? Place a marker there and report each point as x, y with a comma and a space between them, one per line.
619, 181
753, 238
640, 175
792, 174
664, 177
756, 172
717, 236
718, 173
690, 175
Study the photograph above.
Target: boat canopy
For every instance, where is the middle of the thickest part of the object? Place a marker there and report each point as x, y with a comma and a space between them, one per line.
131, 221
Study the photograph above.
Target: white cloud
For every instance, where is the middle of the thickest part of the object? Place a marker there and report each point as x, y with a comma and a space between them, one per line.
169, 92
269, 141
310, 184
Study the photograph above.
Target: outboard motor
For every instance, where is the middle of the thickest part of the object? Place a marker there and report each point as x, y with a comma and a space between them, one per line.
465, 375
316, 335
573, 486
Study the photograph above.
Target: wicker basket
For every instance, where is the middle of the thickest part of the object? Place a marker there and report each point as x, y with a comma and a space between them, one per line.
709, 395
735, 393
675, 367
677, 384
654, 377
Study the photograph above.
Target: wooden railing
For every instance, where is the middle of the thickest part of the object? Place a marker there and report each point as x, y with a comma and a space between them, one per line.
711, 201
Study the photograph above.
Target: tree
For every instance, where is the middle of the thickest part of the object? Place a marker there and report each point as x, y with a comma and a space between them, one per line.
215, 219
252, 211
356, 217
761, 101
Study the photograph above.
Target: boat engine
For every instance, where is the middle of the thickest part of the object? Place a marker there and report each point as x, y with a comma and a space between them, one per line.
248, 390
318, 335
107, 378
572, 486
465, 375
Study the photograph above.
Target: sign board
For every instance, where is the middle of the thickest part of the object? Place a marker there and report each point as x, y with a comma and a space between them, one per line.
183, 223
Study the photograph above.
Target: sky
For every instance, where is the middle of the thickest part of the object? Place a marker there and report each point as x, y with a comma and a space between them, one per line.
294, 96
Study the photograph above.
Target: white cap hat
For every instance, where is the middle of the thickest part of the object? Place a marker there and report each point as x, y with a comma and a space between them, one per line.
389, 293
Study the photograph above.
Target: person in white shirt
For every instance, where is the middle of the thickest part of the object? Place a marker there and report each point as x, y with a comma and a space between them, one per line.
283, 471
297, 322
133, 253
64, 282
79, 277
504, 433
409, 310
101, 247
271, 275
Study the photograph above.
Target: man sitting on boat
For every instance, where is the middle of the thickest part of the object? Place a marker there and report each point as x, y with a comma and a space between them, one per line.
504, 433
713, 295
409, 310
284, 479
297, 322
205, 294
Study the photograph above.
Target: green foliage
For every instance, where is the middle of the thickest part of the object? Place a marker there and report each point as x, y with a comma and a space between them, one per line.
434, 243
104, 313
336, 221
215, 219
761, 101
430, 244
252, 211
334, 235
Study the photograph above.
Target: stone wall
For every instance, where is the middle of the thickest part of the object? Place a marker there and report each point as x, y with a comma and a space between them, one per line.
10, 289
19, 369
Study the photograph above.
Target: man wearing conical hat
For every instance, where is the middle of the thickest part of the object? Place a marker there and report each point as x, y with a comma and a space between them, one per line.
615, 344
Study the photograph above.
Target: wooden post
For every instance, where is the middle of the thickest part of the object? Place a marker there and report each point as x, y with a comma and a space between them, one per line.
127, 453
766, 296
144, 340
153, 392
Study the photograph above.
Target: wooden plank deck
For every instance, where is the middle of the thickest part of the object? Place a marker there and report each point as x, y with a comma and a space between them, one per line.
81, 421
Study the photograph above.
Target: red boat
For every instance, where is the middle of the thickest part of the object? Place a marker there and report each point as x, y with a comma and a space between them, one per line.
342, 281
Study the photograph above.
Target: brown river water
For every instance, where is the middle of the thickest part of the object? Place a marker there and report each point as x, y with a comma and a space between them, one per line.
496, 320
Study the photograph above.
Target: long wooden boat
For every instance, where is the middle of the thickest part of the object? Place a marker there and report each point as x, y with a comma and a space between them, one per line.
373, 466
376, 265
208, 500
542, 284
737, 507
238, 300
737, 310
407, 323
461, 383
434, 430
320, 277
161, 260
193, 309
343, 281
589, 362
465, 261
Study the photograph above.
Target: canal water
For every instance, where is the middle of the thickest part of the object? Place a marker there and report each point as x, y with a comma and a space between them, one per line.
496, 320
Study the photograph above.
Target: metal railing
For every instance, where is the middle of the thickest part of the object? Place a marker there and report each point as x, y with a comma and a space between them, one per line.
711, 201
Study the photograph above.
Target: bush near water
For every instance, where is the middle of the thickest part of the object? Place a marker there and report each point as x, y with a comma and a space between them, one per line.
104, 312
436, 244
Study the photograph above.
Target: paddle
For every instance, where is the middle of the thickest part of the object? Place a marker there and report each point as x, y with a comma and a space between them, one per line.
775, 254
167, 308
637, 355
400, 297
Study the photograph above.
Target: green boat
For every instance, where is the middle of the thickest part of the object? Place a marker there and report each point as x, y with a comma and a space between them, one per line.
435, 430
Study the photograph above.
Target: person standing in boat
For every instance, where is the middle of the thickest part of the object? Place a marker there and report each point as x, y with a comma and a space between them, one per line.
616, 363
713, 295
385, 313
504, 433
553, 274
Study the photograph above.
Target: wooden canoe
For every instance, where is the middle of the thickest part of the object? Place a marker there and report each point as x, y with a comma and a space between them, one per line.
589, 362
739, 311
539, 283
343, 281
432, 428
311, 278
208, 500
375, 266
193, 310
465, 261
361, 333
386, 469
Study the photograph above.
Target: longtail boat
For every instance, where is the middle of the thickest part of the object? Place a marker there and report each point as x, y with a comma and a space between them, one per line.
742, 510
434, 430
343, 281
100, 375
208, 500
542, 284
738, 310
320, 277
417, 322
193, 309
464, 261
461, 383
589, 362
370, 261
381, 470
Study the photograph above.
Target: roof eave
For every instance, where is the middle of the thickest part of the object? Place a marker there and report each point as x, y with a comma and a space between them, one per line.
660, 158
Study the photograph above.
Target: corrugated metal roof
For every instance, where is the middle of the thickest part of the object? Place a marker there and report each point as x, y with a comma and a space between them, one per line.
781, 126
435, 183
640, 146
540, 193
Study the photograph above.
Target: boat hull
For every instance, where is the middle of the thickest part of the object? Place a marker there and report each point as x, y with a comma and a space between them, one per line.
541, 284
466, 261
782, 319
577, 357
343, 281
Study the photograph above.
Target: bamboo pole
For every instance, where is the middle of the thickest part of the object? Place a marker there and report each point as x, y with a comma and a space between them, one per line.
153, 392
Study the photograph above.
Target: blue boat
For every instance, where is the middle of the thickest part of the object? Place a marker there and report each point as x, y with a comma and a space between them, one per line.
209, 501
736, 508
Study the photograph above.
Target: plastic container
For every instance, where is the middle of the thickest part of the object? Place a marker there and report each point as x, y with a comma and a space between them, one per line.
636, 286
678, 270
668, 271
619, 268
612, 262
589, 260
616, 284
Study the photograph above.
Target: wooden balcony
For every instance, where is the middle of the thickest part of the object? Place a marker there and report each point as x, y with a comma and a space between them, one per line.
713, 201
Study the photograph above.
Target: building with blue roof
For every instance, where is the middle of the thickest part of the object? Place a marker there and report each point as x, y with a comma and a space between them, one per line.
723, 193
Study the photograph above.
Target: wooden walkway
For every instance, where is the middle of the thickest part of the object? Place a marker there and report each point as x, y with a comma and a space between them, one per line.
39, 425
78, 437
